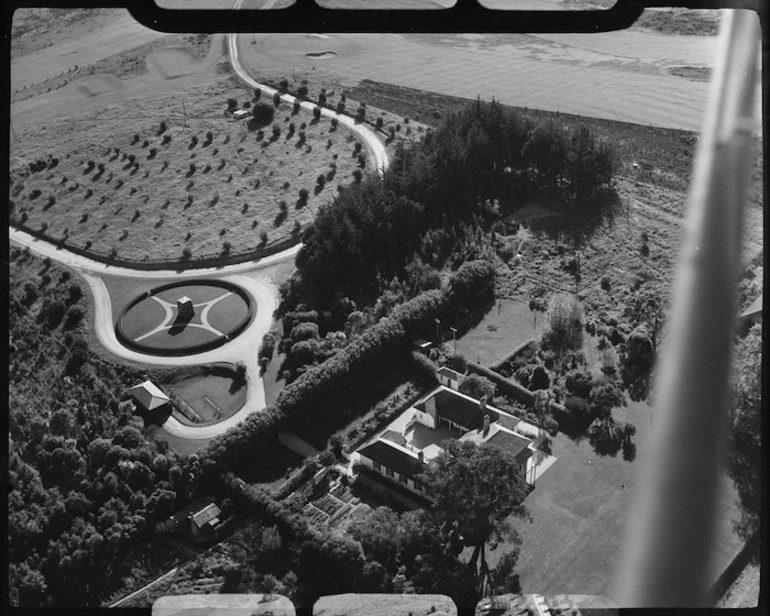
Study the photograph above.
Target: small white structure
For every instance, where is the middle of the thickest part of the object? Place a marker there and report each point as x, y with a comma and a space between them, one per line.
149, 396
239, 114
450, 378
185, 308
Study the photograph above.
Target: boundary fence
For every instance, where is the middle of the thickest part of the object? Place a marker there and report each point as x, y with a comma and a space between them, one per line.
179, 264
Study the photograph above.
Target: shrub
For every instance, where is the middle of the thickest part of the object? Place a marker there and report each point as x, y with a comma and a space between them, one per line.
565, 323
378, 123
424, 366
276, 131
579, 383
334, 122
317, 113
302, 90
232, 104
263, 238
263, 113
357, 176
283, 85
276, 100
304, 331
477, 386
304, 194
539, 379
304, 352
361, 113
606, 283
186, 254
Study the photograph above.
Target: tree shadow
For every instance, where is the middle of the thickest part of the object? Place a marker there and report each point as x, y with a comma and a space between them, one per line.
609, 437
578, 222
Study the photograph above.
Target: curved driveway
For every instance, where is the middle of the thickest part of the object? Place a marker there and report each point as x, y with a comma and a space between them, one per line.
244, 347
373, 144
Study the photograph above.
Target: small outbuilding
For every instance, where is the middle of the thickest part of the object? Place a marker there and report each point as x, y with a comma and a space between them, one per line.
184, 307
239, 114
149, 397
450, 378
201, 519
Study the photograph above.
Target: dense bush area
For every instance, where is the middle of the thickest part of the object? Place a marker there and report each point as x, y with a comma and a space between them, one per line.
86, 488
480, 164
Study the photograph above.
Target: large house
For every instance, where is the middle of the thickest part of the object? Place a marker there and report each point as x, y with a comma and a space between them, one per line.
398, 455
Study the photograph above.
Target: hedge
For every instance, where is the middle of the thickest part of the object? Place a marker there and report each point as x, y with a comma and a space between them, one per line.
310, 397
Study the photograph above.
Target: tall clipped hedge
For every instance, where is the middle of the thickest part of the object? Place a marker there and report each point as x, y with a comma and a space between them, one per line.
323, 388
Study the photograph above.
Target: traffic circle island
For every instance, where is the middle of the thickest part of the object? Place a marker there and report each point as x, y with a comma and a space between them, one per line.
185, 318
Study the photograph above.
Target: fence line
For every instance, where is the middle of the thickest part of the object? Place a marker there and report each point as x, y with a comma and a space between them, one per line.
179, 264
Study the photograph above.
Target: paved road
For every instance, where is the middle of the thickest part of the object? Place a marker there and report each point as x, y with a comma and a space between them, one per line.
244, 347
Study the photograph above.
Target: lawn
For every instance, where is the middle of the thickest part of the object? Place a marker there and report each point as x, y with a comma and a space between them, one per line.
579, 510
505, 326
213, 397
115, 183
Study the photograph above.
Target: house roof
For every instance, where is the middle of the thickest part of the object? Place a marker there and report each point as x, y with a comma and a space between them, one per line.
192, 508
507, 421
392, 457
395, 437
458, 408
449, 373
148, 395
514, 445
208, 514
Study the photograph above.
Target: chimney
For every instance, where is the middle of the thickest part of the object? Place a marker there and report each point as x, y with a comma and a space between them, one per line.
486, 425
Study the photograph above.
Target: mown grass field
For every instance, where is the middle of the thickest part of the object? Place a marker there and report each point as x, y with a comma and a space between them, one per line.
580, 508
501, 329
182, 190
